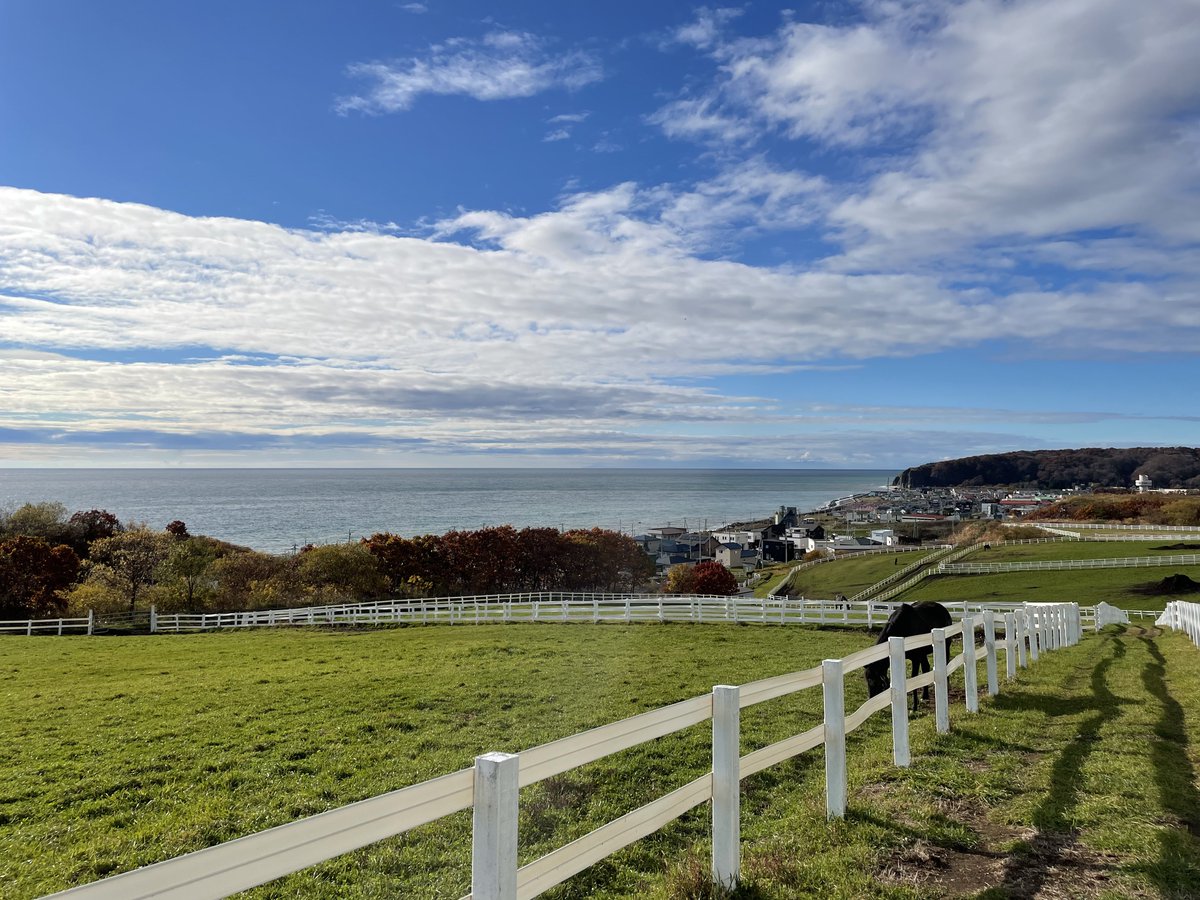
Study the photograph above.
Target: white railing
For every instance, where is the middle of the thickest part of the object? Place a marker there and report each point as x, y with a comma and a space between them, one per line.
491, 787
903, 573
1180, 615
1101, 526
555, 607
832, 557
1108, 615
57, 626
1127, 562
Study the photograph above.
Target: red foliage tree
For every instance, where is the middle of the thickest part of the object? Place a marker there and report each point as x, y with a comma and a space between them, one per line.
713, 578
32, 574
402, 559
90, 525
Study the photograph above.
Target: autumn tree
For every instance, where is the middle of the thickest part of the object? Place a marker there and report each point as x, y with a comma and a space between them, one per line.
47, 521
408, 562
480, 562
177, 529
340, 572
252, 580
680, 579
713, 578
540, 559
603, 560
33, 575
128, 562
186, 573
87, 526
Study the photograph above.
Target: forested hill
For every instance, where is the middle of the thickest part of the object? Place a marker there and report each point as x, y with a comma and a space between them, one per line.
1108, 467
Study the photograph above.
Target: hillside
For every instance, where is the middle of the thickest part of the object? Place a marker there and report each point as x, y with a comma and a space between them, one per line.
1115, 467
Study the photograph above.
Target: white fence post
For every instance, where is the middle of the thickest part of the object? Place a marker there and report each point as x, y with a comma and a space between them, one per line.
970, 673
941, 684
1024, 633
834, 691
494, 828
91, 621
899, 674
726, 786
1037, 633
989, 647
153, 619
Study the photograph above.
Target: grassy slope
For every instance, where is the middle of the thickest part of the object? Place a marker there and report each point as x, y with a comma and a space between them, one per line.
1120, 587
851, 575
120, 752
1082, 774
1076, 550
1079, 779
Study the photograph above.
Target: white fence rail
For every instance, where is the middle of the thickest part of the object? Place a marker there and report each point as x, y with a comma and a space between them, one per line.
1180, 615
1105, 614
1101, 526
47, 626
1125, 562
554, 607
491, 787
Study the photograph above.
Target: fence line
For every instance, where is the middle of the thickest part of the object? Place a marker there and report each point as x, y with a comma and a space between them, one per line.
1095, 526
491, 787
1182, 615
58, 626
548, 607
1125, 562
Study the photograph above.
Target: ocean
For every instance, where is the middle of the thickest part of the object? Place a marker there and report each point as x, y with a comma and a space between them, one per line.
275, 510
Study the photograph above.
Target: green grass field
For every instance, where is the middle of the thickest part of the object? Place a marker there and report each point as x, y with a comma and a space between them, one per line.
1126, 588
124, 751
1076, 550
850, 575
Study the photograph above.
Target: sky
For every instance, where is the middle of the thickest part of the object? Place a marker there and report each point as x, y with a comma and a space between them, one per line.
862, 234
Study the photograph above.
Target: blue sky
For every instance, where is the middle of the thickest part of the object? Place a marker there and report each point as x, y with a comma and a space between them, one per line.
849, 234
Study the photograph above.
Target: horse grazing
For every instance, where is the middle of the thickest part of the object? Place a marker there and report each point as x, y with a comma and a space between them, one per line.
907, 620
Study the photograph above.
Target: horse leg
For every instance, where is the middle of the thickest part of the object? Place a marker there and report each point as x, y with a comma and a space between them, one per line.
920, 666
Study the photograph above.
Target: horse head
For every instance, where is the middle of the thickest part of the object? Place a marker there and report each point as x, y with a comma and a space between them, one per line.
877, 677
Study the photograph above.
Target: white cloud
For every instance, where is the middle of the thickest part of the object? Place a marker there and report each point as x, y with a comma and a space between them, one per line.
985, 120
501, 65
704, 30
599, 312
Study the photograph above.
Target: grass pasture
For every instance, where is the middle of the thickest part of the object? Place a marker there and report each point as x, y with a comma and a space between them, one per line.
1079, 778
851, 574
1119, 587
1076, 550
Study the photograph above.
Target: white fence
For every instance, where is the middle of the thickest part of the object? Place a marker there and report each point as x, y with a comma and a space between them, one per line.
1127, 562
491, 787
554, 607
42, 626
1104, 614
1097, 526
1180, 615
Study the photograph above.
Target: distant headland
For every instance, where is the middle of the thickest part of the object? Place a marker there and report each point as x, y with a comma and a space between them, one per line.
1166, 467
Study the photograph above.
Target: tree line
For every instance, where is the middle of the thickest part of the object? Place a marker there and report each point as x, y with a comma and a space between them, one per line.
1174, 467
55, 564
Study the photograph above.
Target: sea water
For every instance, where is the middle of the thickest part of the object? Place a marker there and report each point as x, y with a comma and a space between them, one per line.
276, 510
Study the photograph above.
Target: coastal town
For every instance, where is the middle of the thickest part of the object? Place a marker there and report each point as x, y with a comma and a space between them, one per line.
873, 520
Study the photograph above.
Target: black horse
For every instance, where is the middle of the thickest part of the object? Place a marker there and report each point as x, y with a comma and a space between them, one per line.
905, 621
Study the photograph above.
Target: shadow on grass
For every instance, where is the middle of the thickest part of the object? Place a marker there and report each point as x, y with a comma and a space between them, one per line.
1026, 872
1176, 872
